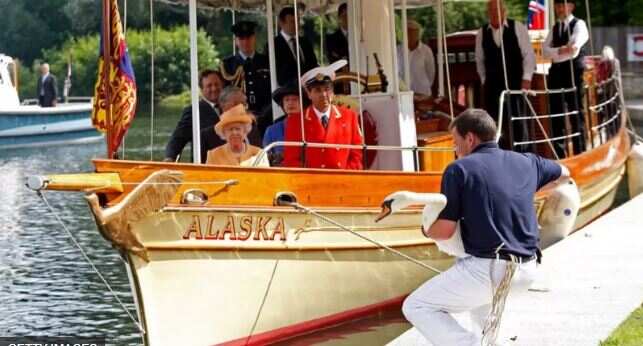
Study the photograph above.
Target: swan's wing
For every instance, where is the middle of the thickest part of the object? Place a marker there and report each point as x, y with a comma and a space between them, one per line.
152, 194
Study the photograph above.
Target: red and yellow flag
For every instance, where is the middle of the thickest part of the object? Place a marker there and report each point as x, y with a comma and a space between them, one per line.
122, 84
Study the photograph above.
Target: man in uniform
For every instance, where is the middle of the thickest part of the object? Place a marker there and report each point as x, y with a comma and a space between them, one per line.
211, 84
566, 46
286, 49
520, 63
323, 123
250, 71
490, 192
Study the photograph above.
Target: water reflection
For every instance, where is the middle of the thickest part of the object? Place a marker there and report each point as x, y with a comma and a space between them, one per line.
46, 287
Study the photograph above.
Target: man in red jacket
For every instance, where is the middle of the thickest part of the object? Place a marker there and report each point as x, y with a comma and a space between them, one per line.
323, 123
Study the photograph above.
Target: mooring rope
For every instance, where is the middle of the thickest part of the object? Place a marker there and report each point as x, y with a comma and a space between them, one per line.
263, 301
82, 252
499, 294
368, 239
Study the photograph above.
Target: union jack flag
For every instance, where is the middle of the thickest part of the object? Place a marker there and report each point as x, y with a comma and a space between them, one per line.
537, 11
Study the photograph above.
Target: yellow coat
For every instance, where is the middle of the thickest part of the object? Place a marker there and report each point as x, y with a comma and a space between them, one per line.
223, 156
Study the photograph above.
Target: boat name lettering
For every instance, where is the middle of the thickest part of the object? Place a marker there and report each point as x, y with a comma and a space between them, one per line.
236, 228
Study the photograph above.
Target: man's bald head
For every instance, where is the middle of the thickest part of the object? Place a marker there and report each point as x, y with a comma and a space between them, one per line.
497, 12
44, 68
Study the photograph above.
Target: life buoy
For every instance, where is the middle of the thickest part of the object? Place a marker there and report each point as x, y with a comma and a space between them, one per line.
559, 213
635, 169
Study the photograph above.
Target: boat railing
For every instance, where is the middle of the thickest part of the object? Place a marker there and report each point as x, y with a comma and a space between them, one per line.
606, 108
365, 148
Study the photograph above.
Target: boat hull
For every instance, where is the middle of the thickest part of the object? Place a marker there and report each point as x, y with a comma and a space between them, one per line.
33, 126
257, 276
216, 267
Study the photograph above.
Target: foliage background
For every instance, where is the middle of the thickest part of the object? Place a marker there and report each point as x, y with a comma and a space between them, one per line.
52, 30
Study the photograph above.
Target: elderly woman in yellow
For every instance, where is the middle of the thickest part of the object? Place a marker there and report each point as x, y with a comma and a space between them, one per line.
234, 126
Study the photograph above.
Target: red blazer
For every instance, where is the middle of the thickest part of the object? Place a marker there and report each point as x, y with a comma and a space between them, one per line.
343, 128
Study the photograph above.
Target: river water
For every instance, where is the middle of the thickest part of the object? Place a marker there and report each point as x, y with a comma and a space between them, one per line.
46, 286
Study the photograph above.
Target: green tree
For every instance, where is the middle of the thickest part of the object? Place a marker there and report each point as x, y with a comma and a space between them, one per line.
172, 61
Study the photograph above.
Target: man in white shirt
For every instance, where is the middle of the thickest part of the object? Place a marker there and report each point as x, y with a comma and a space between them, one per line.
421, 61
513, 72
566, 46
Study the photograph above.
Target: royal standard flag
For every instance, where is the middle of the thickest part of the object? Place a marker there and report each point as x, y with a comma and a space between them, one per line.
122, 84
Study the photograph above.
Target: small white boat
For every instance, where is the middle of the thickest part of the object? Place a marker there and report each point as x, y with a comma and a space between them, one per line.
24, 125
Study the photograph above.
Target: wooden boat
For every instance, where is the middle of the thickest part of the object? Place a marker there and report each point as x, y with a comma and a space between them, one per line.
24, 125
215, 256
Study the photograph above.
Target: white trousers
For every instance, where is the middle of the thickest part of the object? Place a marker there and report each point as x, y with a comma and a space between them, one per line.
465, 287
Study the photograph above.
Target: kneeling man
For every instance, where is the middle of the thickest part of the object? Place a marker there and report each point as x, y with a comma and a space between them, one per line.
490, 191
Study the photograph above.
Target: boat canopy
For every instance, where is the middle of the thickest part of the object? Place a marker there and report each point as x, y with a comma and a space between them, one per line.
315, 6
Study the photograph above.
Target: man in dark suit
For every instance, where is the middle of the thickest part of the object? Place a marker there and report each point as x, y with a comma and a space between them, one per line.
47, 90
286, 50
211, 84
337, 42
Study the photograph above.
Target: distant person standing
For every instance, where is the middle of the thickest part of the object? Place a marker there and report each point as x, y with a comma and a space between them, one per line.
566, 47
286, 49
47, 87
337, 42
505, 60
421, 60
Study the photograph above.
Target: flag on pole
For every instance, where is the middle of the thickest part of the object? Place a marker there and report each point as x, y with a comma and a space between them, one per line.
122, 84
537, 13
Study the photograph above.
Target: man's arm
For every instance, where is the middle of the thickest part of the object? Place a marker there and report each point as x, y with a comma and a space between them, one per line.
181, 135
564, 177
430, 65
480, 56
355, 155
579, 36
441, 229
528, 56
54, 89
548, 50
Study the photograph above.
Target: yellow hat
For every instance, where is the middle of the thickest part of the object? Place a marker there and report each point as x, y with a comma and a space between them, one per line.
236, 114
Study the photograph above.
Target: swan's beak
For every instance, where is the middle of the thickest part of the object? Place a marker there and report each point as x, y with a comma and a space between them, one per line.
386, 210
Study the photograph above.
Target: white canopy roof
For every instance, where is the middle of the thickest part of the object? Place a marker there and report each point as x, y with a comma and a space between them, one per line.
309, 5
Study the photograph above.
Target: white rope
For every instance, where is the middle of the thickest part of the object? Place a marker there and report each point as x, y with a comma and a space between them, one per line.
124, 35
301, 99
357, 43
589, 26
234, 21
82, 252
499, 294
446, 60
542, 128
368, 239
152, 81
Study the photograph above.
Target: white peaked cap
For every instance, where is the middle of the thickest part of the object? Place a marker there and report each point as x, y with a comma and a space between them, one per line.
322, 72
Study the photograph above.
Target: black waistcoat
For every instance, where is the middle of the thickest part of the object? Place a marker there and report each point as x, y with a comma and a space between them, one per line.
559, 40
493, 58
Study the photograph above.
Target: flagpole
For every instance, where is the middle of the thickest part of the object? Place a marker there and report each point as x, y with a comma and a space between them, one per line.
107, 60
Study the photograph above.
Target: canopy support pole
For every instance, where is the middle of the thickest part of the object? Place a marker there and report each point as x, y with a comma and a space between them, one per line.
439, 13
194, 85
270, 26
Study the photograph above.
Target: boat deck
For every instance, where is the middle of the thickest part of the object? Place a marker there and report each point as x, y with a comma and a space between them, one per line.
589, 283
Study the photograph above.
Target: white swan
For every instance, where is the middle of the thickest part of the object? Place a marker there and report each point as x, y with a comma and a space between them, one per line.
433, 205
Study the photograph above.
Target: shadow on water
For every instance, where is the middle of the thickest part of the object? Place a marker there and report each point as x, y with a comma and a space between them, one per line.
46, 287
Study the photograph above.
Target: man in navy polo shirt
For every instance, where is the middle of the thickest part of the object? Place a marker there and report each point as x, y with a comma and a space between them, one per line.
490, 191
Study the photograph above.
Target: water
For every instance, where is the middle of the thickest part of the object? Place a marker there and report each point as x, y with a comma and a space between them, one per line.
48, 289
